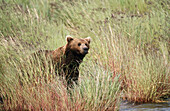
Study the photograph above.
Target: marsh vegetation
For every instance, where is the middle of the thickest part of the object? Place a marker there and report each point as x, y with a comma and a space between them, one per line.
128, 58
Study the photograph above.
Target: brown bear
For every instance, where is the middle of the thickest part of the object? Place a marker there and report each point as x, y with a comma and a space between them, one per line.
67, 59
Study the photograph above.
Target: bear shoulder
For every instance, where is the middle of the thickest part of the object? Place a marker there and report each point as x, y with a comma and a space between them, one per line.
58, 53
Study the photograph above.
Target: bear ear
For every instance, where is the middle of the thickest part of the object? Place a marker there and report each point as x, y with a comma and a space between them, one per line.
69, 38
88, 39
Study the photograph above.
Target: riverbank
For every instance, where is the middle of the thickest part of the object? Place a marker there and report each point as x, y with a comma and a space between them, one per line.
129, 53
162, 106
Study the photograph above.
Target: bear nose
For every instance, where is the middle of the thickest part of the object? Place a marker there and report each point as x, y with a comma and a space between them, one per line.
85, 49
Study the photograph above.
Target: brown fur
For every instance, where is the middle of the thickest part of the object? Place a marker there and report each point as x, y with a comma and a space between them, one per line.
68, 58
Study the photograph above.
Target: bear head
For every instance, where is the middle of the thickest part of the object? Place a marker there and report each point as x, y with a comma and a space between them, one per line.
78, 46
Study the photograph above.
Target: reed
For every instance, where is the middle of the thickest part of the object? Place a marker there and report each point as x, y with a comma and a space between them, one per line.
128, 58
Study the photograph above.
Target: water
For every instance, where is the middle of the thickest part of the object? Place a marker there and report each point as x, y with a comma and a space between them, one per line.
164, 106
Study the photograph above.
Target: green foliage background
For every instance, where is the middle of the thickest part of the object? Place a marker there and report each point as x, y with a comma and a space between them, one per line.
129, 54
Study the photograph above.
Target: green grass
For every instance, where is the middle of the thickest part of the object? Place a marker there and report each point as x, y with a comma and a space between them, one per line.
128, 58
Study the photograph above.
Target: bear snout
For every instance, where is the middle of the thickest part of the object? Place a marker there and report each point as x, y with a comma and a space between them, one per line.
85, 50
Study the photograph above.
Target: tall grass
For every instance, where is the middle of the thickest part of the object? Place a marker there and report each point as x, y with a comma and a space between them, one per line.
27, 85
133, 43
129, 54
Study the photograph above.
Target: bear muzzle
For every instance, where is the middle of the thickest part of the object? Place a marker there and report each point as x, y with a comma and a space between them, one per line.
85, 50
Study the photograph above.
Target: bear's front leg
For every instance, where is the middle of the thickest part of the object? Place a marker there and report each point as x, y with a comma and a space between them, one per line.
75, 76
72, 77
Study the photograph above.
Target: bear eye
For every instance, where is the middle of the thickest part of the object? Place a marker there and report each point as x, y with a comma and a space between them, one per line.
86, 44
79, 44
